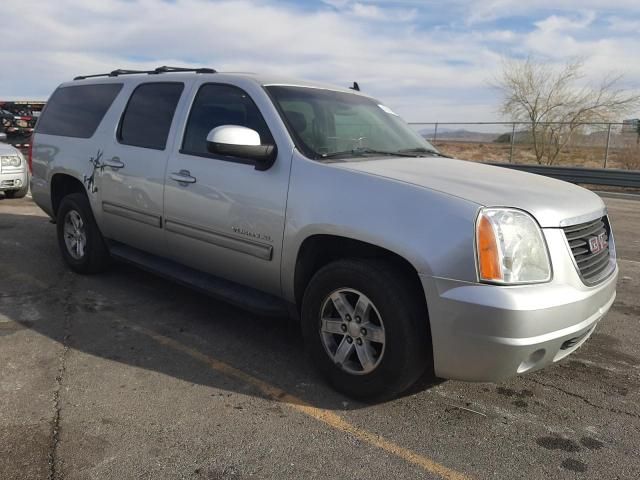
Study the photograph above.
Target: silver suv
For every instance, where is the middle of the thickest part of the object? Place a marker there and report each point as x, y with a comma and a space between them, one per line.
293, 198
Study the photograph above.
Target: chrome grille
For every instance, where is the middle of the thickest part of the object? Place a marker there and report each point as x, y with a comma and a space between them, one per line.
593, 266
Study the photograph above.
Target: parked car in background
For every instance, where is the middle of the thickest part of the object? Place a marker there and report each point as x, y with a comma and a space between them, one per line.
14, 175
286, 196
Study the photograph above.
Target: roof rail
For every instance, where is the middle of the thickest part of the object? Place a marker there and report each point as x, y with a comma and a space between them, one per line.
166, 69
156, 71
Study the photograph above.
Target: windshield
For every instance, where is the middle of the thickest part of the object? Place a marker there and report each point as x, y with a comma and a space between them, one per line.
335, 125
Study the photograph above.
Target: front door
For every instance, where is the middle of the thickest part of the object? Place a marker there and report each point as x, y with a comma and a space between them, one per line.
223, 216
130, 172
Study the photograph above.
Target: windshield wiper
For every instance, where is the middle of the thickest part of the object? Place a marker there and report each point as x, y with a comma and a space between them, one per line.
366, 151
424, 150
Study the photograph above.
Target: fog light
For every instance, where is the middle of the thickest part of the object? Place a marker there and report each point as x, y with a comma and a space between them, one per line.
18, 183
533, 360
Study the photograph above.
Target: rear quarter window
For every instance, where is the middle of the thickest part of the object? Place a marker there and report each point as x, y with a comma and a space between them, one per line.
76, 111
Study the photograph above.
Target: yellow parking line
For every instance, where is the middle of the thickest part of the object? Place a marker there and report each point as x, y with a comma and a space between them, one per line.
320, 414
12, 274
628, 261
23, 276
270, 391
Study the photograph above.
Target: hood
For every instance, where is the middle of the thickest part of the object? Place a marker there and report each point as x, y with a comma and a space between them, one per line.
553, 203
6, 149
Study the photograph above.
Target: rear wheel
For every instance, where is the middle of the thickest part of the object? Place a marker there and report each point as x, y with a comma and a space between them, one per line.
366, 327
79, 238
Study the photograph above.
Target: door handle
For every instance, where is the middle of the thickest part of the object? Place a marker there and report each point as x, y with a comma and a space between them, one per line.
183, 176
114, 163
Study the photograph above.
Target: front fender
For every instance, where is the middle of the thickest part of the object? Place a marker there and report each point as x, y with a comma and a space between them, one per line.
433, 231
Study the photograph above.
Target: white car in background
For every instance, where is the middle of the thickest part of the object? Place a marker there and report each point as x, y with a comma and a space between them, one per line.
14, 177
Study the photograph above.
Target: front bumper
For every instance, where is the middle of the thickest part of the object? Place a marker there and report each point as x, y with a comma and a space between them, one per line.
490, 333
13, 180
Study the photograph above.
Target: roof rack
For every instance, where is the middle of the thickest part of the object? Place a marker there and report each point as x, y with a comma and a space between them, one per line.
156, 71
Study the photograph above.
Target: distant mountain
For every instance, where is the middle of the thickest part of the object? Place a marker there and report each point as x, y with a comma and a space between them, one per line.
459, 134
588, 137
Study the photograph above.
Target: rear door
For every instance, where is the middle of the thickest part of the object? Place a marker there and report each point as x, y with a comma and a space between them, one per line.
131, 170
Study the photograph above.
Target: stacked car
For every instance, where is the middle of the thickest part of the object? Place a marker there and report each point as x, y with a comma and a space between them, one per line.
18, 119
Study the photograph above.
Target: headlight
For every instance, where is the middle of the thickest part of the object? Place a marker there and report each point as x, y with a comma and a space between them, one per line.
510, 247
11, 161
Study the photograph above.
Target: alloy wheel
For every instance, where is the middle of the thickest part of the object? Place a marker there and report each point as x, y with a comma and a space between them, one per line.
75, 235
352, 331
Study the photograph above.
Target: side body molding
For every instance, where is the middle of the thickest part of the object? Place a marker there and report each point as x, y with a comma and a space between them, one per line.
242, 245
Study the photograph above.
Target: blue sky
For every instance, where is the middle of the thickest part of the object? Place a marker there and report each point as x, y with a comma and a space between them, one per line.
429, 60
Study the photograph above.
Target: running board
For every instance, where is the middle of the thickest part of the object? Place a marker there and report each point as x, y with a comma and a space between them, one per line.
239, 295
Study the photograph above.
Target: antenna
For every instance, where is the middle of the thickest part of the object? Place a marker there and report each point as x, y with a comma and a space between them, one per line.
355, 87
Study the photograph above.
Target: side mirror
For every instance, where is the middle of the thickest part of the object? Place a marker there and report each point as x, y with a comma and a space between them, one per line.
243, 142
3, 137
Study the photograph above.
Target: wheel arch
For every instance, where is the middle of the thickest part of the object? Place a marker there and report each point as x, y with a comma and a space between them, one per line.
319, 250
63, 184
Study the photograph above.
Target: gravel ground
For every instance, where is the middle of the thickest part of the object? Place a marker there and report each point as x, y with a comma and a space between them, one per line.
125, 375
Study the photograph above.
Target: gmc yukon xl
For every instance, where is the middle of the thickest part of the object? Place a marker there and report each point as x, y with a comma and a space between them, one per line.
294, 198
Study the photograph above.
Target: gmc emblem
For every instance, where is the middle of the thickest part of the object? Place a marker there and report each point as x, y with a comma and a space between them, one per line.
599, 243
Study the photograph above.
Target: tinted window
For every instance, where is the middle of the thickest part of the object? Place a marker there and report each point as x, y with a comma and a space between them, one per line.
217, 105
77, 111
147, 119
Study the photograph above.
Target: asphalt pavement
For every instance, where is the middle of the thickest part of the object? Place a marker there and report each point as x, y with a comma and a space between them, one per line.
125, 375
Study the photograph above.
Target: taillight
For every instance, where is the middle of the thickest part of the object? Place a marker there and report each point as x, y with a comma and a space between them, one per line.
30, 154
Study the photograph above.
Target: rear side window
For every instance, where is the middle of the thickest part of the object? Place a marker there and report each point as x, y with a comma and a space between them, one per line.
78, 110
147, 119
216, 105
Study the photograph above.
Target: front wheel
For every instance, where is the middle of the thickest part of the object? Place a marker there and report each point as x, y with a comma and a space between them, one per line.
79, 237
366, 327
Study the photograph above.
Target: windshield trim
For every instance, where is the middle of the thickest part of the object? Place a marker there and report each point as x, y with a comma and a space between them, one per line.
318, 87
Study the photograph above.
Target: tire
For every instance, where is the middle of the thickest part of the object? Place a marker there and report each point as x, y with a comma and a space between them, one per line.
94, 256
397, 306
17, 193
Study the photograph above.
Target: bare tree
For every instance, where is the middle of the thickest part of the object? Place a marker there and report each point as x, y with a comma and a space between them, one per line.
629, 154
557, 107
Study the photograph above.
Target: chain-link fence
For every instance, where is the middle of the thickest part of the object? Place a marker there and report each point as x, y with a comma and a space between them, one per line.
593, 145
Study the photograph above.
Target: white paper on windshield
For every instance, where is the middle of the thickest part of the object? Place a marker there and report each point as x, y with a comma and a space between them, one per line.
388, 110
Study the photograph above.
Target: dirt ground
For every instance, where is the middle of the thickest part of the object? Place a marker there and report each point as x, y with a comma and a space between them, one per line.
578, 156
